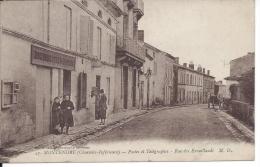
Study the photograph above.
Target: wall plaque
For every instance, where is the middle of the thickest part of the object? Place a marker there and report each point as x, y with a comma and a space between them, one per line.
45, 57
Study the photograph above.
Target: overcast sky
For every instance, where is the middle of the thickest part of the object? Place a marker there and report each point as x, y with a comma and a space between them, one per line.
207, 32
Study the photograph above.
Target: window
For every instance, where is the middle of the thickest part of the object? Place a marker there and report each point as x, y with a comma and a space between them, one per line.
112, 48
9, 93
99, 40
68, 14
108, 90
109, 22
155, 67
82, 90
100, 14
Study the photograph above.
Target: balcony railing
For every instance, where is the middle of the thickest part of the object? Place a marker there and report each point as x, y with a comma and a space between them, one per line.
131, 46
139, 7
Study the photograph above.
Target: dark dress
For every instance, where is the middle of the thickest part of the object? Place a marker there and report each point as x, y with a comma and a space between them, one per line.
97, 107
67, 113
55, 114
103, 106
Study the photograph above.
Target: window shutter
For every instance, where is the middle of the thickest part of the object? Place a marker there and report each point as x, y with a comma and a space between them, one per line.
90, 39
84, 33
113, 48
84, 90
79, 91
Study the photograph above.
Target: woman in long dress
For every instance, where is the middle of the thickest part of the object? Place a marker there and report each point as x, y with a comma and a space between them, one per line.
56, 109
67, 107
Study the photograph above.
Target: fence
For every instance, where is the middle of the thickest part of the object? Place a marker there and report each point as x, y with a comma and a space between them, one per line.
242, 111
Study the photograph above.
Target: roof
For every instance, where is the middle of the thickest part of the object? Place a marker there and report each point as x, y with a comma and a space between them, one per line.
192, 70
151, 47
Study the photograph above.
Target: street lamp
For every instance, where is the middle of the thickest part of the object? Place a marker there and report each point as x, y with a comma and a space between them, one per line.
147, 76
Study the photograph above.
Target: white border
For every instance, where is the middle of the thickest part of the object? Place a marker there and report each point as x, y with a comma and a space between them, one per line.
255, 163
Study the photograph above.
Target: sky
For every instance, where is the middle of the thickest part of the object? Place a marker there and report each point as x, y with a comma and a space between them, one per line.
206, 32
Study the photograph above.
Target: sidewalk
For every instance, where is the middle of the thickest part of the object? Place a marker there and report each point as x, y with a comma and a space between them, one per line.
77, 132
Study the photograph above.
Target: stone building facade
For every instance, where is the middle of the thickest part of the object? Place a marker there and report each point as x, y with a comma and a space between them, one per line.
147, 77
208, 85
165, 79
50, 48
242, 64
130, 55
190, 84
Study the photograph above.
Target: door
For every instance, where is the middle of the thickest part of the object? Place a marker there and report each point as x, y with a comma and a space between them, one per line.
66, 82
134, 88
125, 84
142, 93
98, 80
43, 101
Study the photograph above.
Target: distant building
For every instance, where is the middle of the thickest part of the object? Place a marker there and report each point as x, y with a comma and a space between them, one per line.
242, 65
190, 84
221, 90
208, 85
166, 78
148, 75
241, 74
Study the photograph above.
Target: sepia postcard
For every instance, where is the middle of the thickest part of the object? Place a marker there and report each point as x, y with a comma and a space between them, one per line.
127, 80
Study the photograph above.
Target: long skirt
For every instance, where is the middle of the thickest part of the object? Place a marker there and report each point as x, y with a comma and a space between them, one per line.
68, 118
102, 114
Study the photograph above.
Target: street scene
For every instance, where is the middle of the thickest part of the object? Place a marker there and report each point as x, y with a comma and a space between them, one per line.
81, 75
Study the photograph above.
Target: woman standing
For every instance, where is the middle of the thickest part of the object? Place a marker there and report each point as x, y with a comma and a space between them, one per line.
67, 106
103, 106
56, 109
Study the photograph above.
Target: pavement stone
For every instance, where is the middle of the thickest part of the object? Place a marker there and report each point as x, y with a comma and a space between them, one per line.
77, 132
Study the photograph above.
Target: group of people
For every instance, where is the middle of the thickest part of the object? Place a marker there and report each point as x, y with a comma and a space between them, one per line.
62, 112
215, 100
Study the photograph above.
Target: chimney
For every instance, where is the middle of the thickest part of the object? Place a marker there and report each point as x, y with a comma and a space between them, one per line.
177, 60
185, 64
208, 72
141, 35
203, 70
191, 66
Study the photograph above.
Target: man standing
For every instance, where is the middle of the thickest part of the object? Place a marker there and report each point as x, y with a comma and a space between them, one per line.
103, 106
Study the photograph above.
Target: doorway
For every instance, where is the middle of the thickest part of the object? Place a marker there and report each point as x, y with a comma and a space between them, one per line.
66, 82
142, 93
125, 85
43, 101
134, 88
98, 83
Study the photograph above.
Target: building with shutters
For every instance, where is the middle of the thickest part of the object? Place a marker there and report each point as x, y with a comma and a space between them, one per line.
130, 55
208, 85
49, 49
158, 77
190, 84
147, 76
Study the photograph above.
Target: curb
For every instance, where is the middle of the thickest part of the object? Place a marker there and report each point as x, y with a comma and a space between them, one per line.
245, 130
